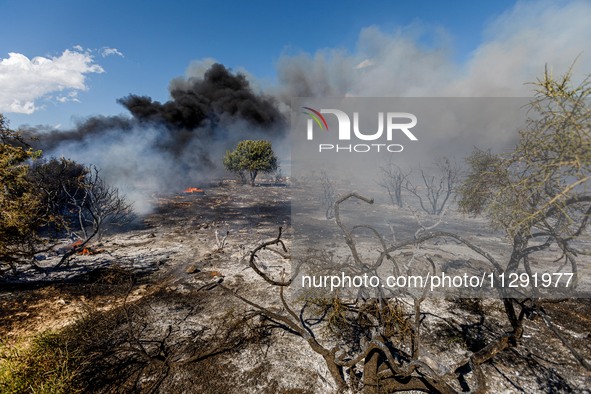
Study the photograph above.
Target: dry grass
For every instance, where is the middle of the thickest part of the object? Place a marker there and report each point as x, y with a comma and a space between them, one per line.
46, 365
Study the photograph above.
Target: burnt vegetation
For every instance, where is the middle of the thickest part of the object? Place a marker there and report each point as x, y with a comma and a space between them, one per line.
44, 201
433, 189
190, 328
537, 195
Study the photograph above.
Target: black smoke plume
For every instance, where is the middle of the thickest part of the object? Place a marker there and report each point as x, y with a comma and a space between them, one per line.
212, 103
170, 145
197, 101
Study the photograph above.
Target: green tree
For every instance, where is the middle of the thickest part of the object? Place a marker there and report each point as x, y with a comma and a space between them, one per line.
252, 157
21, 211
540, 191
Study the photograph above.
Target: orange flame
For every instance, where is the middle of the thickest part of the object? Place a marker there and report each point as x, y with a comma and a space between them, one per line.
89, 251
193, 190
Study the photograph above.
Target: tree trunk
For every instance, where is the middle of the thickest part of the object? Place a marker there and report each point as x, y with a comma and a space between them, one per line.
253, 175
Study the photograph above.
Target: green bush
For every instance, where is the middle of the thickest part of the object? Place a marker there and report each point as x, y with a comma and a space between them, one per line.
251, 157
21, 210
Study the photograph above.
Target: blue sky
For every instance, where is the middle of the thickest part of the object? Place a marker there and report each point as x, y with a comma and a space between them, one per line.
152, 42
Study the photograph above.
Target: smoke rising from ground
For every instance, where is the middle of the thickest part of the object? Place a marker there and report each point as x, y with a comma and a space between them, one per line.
170, 146
418, 61
178, 143
405, 63
219, 96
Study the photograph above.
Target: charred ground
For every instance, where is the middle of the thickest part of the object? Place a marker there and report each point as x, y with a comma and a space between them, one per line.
144, 315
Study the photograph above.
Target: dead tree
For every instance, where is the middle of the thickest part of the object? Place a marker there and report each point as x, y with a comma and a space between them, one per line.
96, 205
375, 342
329, 193
378, 341
393, 179
435, 191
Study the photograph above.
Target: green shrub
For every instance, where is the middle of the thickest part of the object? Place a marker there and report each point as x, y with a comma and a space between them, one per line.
252, 157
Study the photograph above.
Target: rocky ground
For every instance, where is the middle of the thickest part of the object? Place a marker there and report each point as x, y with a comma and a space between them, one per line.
150, 290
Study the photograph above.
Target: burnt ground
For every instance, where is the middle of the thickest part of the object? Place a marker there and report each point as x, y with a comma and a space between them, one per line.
145, 310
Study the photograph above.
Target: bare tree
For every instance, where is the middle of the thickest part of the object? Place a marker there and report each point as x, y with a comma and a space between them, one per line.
377, 340
329, 193
435, 191
393, 179
96, 205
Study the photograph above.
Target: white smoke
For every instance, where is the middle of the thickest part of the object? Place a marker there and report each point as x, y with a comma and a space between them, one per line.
516, 47
133, 161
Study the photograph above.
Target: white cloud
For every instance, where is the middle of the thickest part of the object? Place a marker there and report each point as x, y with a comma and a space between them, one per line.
71, 96
106, 51
24, 81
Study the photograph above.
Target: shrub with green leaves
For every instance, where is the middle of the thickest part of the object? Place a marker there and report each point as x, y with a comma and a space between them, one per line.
21, 211
251, 157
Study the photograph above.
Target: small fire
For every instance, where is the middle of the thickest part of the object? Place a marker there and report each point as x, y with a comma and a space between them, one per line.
193, 190
87, 252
